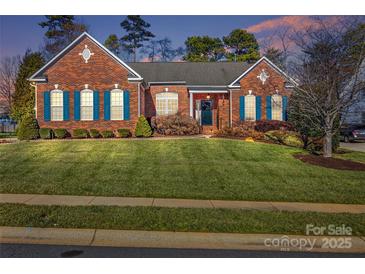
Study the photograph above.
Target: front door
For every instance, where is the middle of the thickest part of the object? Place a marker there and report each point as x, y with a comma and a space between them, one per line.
206, 116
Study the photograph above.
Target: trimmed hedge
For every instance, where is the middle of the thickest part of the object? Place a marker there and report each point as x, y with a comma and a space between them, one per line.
28, 129
60, 133
265, 125
124, 133
175, 125
94, 133
107, 134
46, 133
143, 128
240, 133
80, 133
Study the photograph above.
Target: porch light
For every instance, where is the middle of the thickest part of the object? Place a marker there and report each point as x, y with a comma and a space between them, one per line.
208, 96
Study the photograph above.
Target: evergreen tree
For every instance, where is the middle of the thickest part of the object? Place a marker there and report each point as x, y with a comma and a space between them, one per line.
143, 128
112, 43
137, 34
203, 49
61, 30
23, 98
242, 46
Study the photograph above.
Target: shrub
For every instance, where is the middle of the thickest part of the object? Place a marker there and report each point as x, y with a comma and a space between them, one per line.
124, 133
46, 133
241, 133
268, 125
143, 129
175, 125
283, 137
28, 129
94, 133
107, 134
60, 133
80, 133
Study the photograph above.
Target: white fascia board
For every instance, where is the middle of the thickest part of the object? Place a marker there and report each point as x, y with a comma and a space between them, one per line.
264, 58
31, 78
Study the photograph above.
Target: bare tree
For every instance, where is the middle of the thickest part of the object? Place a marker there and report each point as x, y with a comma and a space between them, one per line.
8, 72
331, 73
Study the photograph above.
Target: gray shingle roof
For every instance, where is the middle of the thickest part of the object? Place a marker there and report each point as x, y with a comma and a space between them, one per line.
193, 73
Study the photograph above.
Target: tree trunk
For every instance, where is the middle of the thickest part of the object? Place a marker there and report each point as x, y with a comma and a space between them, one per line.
327, 145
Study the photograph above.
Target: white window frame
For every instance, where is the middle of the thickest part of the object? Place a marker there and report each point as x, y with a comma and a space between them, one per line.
114, 91
164, 96
277, 107
250, 109
84, 91
53, 106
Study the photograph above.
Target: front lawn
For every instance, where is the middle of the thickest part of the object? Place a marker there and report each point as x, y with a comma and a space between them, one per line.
174, 219
195, 168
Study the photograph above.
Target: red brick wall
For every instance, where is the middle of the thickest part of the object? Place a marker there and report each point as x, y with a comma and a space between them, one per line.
100, 73
150, 98
276, 81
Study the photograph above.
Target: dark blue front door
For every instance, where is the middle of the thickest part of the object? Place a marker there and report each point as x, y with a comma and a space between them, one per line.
206, 112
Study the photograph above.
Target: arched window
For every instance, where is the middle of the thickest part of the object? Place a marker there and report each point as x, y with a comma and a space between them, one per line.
86, 104
116, 104
277, 107
166, 103
250, 107
56, 105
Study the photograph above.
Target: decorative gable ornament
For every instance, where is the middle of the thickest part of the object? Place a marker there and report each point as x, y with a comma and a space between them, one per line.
263, 76
86, 54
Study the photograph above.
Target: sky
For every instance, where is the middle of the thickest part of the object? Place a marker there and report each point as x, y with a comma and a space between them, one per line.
18, 33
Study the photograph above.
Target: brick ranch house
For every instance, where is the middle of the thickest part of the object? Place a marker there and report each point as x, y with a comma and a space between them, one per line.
87, 86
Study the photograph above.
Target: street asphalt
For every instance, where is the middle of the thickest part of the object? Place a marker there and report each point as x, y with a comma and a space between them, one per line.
63, 251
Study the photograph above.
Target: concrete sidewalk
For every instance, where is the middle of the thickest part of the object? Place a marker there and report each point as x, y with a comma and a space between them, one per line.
68, 200
167, 239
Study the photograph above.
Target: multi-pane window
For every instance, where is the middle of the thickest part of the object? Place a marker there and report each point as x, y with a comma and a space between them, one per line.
277, 107
166, 103
250, 107
86, 104
116, 104
56, 105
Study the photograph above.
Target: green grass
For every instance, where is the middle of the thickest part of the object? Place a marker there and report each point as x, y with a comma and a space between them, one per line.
172, 219
351, 155
195, 168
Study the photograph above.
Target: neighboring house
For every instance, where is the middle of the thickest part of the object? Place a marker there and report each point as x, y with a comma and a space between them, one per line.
86, 86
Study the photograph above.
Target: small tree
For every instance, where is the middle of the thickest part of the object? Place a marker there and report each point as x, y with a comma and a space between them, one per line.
143, 128
331, 77
24, 97
28, 128
137, 34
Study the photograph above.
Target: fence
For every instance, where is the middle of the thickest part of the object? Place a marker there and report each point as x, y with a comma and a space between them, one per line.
7, 125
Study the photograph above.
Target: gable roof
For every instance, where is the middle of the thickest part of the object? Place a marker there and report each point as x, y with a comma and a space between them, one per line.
191, 73
38, 76
265, 59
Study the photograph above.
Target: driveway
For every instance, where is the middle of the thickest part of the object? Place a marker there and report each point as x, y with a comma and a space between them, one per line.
354, 146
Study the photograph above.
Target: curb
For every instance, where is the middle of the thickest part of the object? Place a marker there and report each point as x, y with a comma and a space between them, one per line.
168, 239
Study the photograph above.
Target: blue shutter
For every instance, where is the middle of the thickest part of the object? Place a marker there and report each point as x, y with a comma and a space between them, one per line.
126, 105
107, 105
47, 106
66, 105
258, 108
268, 108
77, 105
284, 108
96, 105
242, 108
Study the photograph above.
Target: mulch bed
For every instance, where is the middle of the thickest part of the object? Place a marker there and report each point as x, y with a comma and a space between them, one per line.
334, 163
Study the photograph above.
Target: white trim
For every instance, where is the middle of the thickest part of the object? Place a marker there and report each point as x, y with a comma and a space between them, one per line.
31, 78
139, 99
208, 91
87, 90
116, 90
230, 104
135, 79
264, 58
191, 104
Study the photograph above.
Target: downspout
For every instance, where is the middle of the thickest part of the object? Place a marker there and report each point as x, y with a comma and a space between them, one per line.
139, 98
230, 107
35, 96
